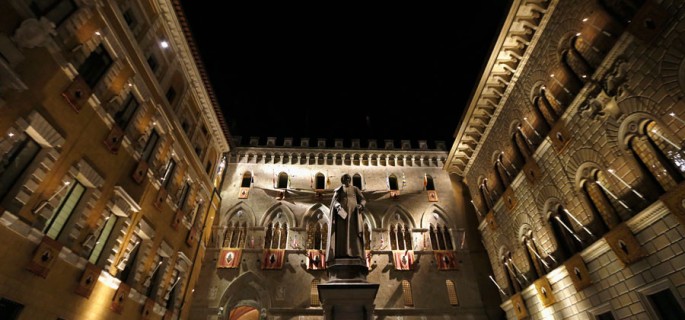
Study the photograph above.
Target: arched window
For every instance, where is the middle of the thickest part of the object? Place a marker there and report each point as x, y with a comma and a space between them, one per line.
276, 236
319, 181
568, 241
512, 280
524, 144
283, 181
597, 190
659, 154
486, 197
502, 173
235, 235
357, 181
543, 107
533, 257
400, 237
440, 237
392, 182
317, 231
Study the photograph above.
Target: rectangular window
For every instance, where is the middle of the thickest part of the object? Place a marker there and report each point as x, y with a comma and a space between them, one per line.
605, 316
54, 10
14, 163
170, 95
666, 306
124, 116
168, 173
9, 309
320, 182
184, 196
102, 238
150, 146
152, 62
64, 210
95, 66
130, 19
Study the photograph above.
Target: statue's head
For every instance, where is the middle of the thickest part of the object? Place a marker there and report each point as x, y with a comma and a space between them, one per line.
345, 178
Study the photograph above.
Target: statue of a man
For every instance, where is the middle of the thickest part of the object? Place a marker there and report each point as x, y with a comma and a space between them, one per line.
346, 234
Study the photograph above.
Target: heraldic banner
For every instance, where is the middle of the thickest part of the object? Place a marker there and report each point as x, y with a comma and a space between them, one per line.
446, 260
403, 259
273, 258
316, 259
229, 258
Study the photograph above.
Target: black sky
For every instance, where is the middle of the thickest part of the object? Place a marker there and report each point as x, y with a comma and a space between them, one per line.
343, 71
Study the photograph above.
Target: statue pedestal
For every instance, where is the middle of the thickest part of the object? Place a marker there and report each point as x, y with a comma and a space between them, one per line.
347, 295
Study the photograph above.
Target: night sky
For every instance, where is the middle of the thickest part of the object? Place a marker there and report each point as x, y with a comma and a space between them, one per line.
338, 71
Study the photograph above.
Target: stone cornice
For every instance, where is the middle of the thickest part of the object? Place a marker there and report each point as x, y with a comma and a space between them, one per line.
189, 58
510, 53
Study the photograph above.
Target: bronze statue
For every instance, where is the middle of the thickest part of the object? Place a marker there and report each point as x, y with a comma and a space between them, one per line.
346, 235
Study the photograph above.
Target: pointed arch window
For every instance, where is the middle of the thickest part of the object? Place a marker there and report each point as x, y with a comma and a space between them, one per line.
440, 237
502, 172
317, 232
400, 237
276, 235
235, 235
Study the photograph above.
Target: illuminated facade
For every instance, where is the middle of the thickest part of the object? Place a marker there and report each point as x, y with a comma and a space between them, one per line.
571, 149
110, 159
266, 255
561, 197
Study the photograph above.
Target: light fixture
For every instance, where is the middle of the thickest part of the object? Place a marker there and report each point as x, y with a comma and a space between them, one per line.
164, 44
97, 33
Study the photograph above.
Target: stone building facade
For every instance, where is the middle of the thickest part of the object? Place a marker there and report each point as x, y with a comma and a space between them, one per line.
572, 150
110, 153
265, 254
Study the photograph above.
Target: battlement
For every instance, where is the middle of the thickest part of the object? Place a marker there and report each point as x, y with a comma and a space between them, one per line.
327, 143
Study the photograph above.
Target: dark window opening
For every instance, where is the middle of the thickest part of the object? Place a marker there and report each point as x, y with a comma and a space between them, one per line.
95, 66
170, 95
152, 62
123, 117
666, 306
15, 162
9, 309
56, 11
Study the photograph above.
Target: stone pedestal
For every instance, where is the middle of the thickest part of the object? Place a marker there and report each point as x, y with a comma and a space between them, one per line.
348, 301
347, 295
